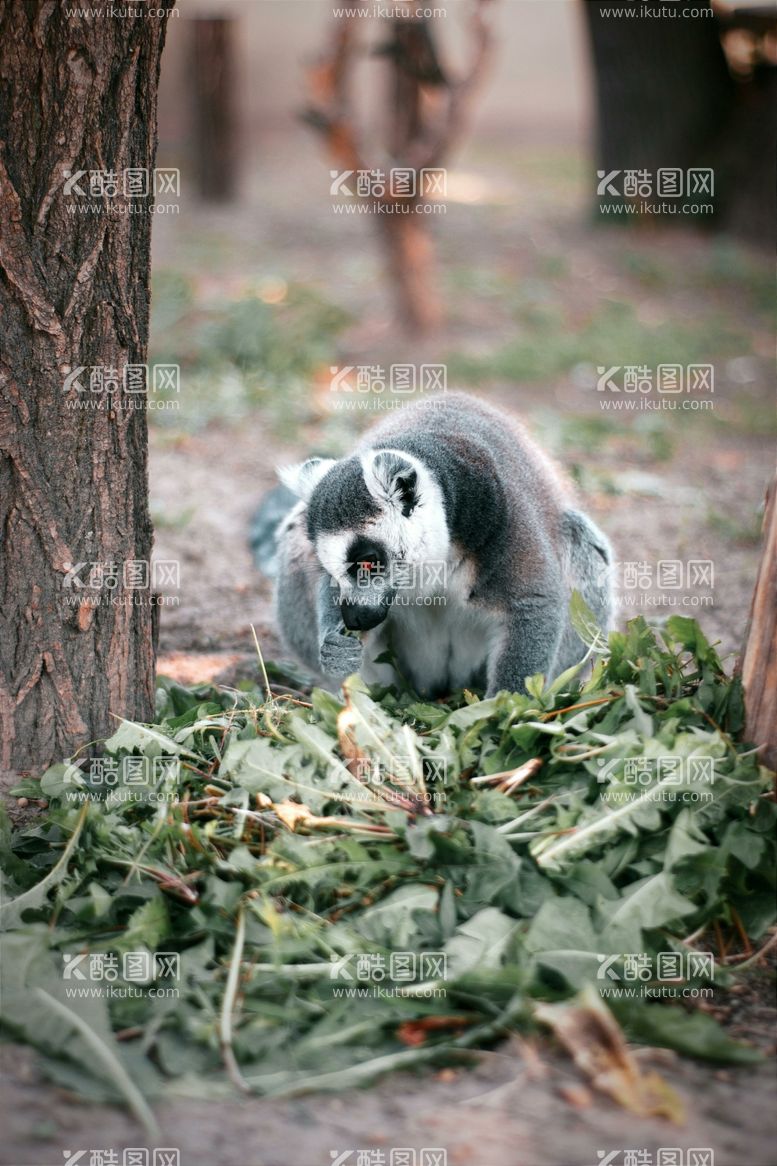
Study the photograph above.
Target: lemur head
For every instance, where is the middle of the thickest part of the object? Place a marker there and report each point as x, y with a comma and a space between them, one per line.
374, 520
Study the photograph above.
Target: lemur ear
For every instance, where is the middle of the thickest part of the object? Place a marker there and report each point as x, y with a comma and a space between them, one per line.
389, 477
302, 479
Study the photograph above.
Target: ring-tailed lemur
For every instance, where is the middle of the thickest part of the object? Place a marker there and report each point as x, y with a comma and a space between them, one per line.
446, 537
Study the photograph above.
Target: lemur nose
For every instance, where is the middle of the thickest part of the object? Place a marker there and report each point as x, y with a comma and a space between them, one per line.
361, 616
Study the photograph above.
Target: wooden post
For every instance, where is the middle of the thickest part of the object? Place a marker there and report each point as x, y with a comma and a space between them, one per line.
214, 121
759, 665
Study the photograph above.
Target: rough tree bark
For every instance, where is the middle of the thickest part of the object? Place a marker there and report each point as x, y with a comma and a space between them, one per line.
76, 95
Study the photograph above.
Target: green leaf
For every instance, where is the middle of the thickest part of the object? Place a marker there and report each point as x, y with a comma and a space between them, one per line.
482, 942
390, 923
649, 903
11, 913
694, 1033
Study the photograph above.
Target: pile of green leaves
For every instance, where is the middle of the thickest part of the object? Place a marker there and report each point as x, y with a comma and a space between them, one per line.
274, 854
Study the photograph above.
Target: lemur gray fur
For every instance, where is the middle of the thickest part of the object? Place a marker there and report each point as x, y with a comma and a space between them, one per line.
448, 537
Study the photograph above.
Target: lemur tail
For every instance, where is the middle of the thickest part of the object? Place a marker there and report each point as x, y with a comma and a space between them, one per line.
263, 536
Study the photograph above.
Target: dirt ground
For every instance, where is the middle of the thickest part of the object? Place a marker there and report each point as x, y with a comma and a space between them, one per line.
516, 254
521, 1105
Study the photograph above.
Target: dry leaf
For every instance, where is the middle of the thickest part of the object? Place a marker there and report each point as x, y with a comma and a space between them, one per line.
414, 1032
290, 813
590, 1032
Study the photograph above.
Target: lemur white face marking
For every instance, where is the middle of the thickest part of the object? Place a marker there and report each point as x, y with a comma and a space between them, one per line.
332, 551
410, 525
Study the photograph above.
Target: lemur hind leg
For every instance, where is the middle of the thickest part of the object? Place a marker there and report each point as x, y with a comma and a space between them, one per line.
530, 644
588, 567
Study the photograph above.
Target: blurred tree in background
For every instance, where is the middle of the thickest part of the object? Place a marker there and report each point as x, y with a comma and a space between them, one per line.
697, 92
427, 108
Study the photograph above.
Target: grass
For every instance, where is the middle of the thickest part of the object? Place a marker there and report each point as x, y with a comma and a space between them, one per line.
260, 349
550, 343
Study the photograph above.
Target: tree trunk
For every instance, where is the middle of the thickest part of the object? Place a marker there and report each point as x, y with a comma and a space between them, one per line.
427, 114
77, 95
663, 90
415, 79
410, 254
759, 666
214, 123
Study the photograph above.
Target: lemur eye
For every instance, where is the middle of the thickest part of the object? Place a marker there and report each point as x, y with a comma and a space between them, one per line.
366, 560
366, 567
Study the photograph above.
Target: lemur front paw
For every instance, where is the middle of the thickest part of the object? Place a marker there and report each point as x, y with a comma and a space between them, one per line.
340, 655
